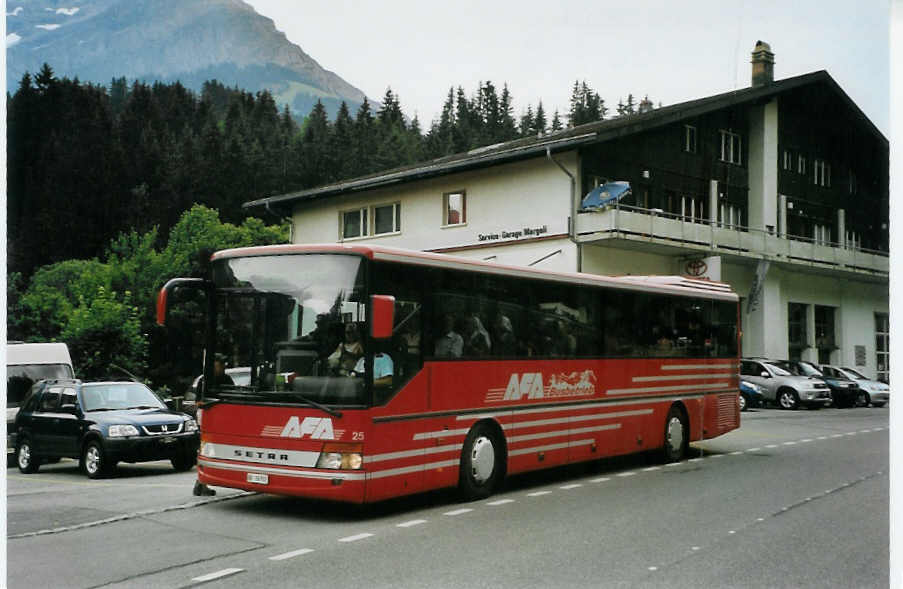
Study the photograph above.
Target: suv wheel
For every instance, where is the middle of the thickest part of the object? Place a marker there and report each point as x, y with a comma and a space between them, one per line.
94, 461
27, 460
862, 399
788, 399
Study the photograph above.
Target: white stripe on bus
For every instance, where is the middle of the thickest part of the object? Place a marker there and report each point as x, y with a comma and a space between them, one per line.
731, 366
304, 474
569, 407
683, 387
681, 377
549, 447
573, 418
410, 453
379, 474
440, 434
562, 432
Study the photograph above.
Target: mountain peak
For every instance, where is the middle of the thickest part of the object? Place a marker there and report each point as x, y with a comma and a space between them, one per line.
187, 40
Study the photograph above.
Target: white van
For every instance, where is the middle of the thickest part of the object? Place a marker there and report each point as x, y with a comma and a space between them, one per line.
25, 365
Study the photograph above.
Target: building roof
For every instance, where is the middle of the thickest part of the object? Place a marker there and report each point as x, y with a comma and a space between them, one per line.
565, 140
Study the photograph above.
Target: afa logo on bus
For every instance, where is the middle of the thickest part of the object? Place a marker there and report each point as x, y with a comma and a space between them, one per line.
531, 385
319, 428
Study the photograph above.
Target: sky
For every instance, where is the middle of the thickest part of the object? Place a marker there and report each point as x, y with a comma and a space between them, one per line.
672, 51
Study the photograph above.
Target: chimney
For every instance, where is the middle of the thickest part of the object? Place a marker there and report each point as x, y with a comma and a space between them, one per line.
762, 65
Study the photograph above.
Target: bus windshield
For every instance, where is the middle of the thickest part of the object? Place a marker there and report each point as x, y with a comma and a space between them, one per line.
296, 323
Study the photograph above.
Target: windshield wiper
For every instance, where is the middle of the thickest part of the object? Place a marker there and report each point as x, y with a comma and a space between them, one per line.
312, 403
144, 407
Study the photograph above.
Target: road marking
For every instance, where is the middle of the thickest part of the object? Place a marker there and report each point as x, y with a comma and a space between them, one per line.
851, 433
652, 468
822, 437
653, 568
538, 493
731, 532
790, 443
771, 446
216, 575
694, 548
292, 554
355, 538
806, 440
864, 431
694, 459
717, 456
753, 449
458, 511
571, 486
501, 502
600, 480
737, 453
837, 436
413, 522
626, 474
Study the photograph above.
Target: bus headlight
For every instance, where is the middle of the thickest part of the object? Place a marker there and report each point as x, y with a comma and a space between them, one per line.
341, 457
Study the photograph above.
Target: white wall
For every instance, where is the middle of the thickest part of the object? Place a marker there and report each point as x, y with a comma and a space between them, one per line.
508, 198
763, 165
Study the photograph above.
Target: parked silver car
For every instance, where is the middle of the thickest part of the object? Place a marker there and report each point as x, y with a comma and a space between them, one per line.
875, 392
787, 390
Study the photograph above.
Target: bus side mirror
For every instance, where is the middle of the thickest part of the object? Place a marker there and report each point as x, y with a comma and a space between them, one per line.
382, 309
163, 296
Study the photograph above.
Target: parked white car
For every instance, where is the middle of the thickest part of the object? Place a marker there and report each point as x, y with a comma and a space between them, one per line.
877, 393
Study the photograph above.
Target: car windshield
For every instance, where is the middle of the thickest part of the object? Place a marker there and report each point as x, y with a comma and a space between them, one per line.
295, 323
778, 370
855, 374
119, 395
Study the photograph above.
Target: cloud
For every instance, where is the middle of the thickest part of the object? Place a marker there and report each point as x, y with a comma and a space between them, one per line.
12, 39
15, 12
47, 27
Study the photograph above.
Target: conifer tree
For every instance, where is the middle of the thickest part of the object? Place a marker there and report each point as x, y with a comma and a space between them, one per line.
539, 121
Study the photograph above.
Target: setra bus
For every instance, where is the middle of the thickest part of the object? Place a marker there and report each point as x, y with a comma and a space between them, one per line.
378, 372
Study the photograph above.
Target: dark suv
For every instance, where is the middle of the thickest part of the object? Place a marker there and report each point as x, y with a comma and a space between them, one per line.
101, 423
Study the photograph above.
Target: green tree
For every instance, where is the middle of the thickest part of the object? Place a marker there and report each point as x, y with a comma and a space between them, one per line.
104, 331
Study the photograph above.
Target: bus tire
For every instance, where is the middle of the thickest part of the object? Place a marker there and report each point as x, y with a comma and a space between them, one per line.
482, 463
677, 435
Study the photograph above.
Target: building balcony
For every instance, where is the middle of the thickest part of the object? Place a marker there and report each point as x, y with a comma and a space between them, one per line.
655, 231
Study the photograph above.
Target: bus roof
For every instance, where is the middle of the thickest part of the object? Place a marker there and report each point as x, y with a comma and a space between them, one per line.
678, 285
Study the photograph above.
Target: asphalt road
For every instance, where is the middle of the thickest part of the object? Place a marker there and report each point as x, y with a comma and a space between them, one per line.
792, 499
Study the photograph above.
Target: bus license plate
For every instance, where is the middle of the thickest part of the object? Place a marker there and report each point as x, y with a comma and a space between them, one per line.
260, 479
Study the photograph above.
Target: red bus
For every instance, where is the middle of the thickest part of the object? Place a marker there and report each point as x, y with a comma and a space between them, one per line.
377, 372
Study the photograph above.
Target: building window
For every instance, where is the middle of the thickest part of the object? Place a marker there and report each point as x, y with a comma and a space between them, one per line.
788, 160
692, 208
822, 175
730, 147
822, 234
796, 330
689, 139
387, 219
454, 208
854, 187
882, 346
824, 333
354, 223
801, 164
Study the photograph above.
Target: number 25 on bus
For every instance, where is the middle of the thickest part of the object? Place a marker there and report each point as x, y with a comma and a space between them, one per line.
373, 372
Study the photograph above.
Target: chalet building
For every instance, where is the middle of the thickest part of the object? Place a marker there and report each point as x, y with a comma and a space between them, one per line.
779, 189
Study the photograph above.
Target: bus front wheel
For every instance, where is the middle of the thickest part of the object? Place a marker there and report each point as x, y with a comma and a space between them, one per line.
481, 463
677, 435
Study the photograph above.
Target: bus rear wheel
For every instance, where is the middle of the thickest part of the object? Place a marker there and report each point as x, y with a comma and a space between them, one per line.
677, 435
482, 463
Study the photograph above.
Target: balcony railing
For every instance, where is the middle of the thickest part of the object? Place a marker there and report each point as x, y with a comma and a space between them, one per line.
657, 226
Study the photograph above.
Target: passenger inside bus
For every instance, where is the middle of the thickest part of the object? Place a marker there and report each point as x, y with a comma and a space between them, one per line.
345, 357
476, 338
450, 344
383, 369
504, 344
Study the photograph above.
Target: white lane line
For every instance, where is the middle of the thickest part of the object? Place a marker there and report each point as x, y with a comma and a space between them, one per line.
653, 568
355, 538
458, 511
717, 456
806, 440
790, 443
216, 575
501, 502
538, 493
652, 468
864, 431
571, 486
822, 438
413, 522
292, 554
627, 474
674, 464
837, 436
737, 453
694, 459
694, 548
600, 480
851, 433
753, 449
771, 446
